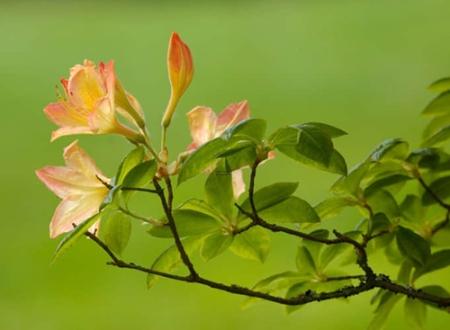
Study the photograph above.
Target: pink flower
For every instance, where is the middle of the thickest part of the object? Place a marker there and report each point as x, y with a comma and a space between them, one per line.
181, 69
78, 185
93, 98
205, 125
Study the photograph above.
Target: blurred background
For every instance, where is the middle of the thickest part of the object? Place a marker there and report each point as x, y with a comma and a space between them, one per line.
360, 65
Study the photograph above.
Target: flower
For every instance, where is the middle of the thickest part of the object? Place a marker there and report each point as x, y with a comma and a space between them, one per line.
181, 69
80, 185
93, 98
205, 125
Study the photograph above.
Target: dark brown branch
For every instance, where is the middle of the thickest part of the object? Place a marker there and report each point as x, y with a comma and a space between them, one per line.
167, 206
304, 298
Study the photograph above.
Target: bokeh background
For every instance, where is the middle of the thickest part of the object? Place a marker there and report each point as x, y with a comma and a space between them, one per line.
360, 65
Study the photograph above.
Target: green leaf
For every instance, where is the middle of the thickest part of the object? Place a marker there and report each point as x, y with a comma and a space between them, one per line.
412, 209
336, 163
329, 130
314, 248
253, 244
285, 136
201, 159
141, 175
272, 284
382, 201
242, 158
201, 206
188, 223
441, 85
350, 184
170, 258
115, 230
250, 129
441, 187
332, 206
440, 136
436, 261
72, 237
305, 261
439, 105
133, 159
314, 144
391, 149
413, 246
435, 125
215, 244
330, 253
269, 196
294, 291
387, 183
219, 191
292, 210
386, 304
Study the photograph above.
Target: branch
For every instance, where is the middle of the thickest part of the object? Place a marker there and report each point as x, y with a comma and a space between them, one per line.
167, 206
302, 299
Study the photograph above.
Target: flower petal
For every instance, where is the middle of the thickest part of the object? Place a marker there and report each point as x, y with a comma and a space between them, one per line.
77, 159
63, 114
85, 85
202, 124
238, 183
232, 115
74, 210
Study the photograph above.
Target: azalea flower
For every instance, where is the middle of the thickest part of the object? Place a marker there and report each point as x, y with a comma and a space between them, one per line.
205, 125
80, 185
93, 98
180, 68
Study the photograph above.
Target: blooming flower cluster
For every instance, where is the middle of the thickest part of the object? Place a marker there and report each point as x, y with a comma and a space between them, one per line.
94, 101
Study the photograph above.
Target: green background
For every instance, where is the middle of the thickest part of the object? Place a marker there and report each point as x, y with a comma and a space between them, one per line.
360, 65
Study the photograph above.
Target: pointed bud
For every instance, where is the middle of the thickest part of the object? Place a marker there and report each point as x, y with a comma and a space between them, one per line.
180, 67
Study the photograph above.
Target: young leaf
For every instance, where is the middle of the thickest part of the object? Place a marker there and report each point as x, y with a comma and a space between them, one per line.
188, 223
115, 230
296, 290
413, 246
219, 191
133, 159
170, 258
72, 237
215, 244
435, 125
253, 244
292, 209
315, 248
201, 159
270, 195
